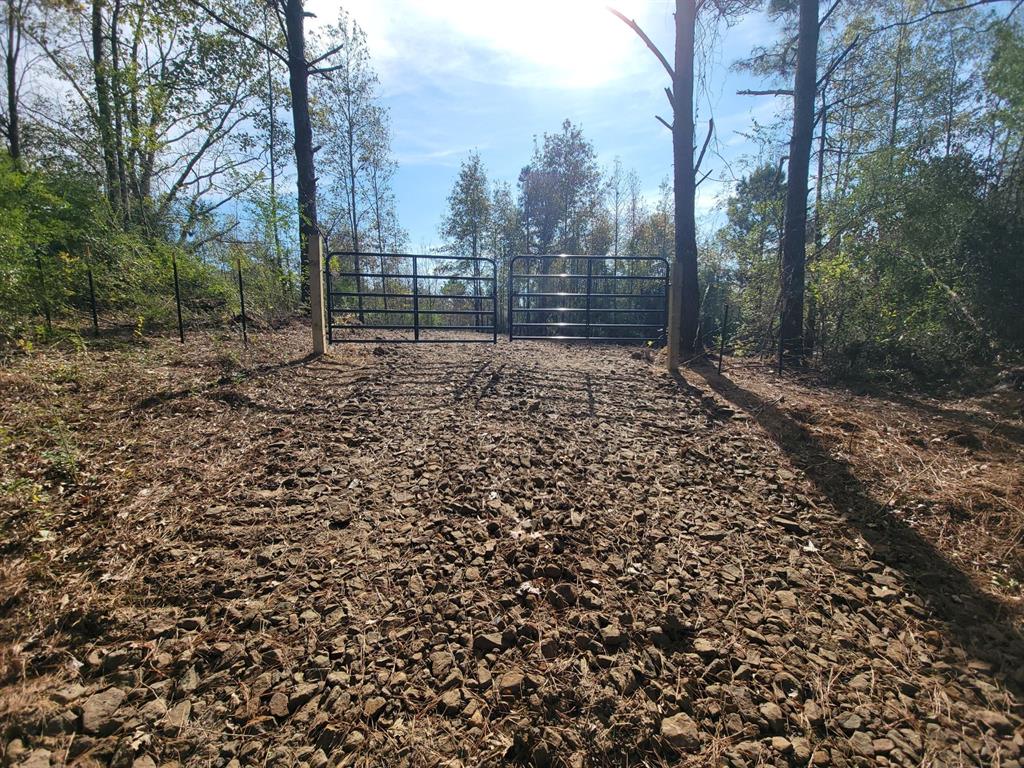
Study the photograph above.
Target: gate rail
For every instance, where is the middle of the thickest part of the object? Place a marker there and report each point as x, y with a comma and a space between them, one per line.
600, 317
405, 294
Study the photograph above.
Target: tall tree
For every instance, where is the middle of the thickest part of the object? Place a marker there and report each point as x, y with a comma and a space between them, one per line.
684, 294
13, 43
794, 236
467, 222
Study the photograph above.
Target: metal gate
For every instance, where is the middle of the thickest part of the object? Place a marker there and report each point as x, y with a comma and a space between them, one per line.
593, 298
413, 297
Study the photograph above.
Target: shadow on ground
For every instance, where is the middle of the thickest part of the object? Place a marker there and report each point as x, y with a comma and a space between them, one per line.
976, 621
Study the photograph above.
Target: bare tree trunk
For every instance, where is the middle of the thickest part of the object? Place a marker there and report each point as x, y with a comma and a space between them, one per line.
117, 101
810, 338
298, 78
794, 247
684, 296
103, 104
13, 44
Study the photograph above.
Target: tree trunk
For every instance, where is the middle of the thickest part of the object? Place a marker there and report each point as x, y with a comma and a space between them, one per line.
298, 79
13, 123
794, 236
117, 101
811, 333
103, 104
684, 296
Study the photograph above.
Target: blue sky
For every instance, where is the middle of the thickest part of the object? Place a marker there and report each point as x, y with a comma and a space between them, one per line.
459, 75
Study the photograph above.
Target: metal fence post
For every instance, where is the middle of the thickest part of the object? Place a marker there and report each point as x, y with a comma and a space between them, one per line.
92, 292
177, 298
590, 278
721, 347
415, 299
511, 281
494, 301
42, 294
241, 302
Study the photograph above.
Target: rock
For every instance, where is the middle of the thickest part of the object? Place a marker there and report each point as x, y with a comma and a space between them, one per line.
302, 694
487, 643
861, 682
69, 694
353, 741
511, 683
99, 709
789, 524
996, 721
862, 744
143, 761
549, 647
373, 706
189, 681
279, 705
38, 758
191, 623
771, 712
786, 599
613, 637
781, 744
562, 595
178, 715
883, 746
452, 702
680, 731
813, 714
850, 722
153, 710
705, 648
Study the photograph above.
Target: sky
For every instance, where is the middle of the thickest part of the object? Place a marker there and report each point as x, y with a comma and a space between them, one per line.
459, 75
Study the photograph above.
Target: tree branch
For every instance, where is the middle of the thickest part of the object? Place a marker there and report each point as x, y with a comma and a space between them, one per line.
933, 12
647, 41
829, 12
707, 140
662, 120
776, 92
238, 30
837, 61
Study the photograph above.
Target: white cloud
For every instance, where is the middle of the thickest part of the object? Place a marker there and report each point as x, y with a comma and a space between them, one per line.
528, 43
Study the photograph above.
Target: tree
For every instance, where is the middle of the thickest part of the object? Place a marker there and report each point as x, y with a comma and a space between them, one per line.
684, 295
560, 192
13, 44
467, 223
794, 236
291, 16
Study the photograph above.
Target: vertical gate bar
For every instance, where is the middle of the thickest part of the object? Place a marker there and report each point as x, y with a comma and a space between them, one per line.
359, 286
494, 303
721, 347
330, 299
511, 282
415, 299
42, 294
92, 302
177, 298
590, 277
241, 303
665, 299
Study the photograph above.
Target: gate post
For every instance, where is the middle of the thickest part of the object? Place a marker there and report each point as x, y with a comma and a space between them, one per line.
316, 293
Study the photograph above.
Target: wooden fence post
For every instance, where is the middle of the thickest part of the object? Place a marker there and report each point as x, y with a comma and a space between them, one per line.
317, 298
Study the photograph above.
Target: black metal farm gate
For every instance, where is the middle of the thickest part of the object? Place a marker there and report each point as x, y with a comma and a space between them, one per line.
592, 298
413, 297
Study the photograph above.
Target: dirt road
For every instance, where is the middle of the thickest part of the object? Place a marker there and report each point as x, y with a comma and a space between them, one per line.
474, 555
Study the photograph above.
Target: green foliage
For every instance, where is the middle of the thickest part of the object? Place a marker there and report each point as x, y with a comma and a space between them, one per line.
55, 229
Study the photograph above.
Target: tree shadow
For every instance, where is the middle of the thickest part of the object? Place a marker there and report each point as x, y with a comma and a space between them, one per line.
976, 621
